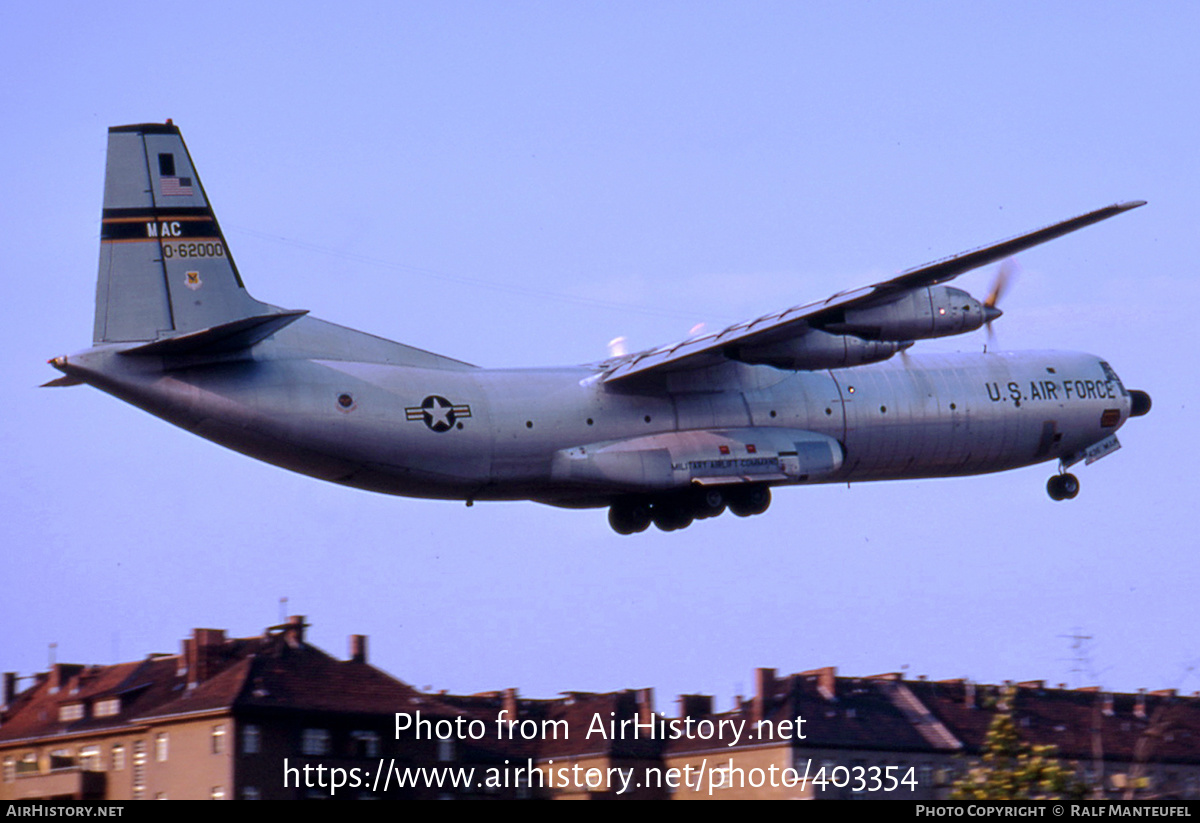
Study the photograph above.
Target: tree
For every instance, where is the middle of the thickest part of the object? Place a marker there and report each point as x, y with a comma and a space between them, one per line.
1014, 770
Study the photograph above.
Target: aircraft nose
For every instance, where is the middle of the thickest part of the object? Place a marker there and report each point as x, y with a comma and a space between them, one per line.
1139, 403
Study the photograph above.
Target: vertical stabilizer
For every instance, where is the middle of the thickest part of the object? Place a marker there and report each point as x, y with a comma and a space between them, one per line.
165, 269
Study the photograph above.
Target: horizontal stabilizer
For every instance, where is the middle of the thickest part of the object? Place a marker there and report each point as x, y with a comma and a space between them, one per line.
227, 337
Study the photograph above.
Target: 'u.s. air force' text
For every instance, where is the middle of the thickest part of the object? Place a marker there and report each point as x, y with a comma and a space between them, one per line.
728, 731
1052, 390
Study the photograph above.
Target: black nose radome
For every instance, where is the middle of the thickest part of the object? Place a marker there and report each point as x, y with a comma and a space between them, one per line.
1139, 403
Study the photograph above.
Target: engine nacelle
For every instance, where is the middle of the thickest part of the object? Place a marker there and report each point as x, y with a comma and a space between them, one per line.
817, 350
933, 311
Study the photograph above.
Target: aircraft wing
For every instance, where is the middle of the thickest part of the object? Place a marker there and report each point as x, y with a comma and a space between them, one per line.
794, 322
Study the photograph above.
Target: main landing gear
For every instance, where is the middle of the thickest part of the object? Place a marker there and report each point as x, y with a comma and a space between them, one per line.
1062, 486
671, 512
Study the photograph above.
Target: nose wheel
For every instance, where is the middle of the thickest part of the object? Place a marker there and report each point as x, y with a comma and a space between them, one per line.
1062, 486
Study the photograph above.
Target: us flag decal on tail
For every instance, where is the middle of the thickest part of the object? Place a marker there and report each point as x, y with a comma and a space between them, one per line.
176, 186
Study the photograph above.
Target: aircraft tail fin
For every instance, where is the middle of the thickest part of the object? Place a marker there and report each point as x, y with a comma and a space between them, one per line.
165, 268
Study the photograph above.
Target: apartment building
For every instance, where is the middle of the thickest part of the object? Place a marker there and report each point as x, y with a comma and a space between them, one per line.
274, 717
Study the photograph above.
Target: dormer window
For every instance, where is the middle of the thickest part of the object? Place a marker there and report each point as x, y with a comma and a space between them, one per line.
71, 711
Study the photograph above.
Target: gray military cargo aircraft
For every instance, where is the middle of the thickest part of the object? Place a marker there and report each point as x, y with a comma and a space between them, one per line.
811, 394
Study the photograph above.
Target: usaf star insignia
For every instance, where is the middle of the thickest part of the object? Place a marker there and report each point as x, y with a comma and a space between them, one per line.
439, 414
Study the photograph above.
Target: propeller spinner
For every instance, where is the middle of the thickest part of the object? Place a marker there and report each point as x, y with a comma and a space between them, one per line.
1003, 280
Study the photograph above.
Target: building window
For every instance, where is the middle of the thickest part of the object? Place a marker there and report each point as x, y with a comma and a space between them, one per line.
315, 741
366, 744
218, 739
250, 793
118, 758
107, 708
139, 769
161, 743
218, 793
90, 760
251, 739
71, 711
10, 770
61, 759
445, 749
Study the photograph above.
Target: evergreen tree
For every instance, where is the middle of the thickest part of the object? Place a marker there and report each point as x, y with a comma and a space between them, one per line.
1014, 770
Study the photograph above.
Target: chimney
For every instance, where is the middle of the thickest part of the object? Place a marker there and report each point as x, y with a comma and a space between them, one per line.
293, 631
186, 657
969, 695
358, 648
61, 674
826, 681
1139, 708
202, 654
764, 694
645, 706
10, 688
56, 678
1108, 704
510, 703
695, 705
1002, 698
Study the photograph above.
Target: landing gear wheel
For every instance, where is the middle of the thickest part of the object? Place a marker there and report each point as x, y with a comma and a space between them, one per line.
750, 501
1053, 488
629, 517
1062, 487
672, 515
709, 503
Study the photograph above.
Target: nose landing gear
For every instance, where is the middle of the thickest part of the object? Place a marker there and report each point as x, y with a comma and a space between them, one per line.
1062, 486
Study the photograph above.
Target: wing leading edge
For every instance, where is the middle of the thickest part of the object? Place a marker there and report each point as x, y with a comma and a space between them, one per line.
775, 332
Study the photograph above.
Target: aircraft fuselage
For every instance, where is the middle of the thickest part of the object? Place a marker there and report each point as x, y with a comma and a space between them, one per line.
500, 434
